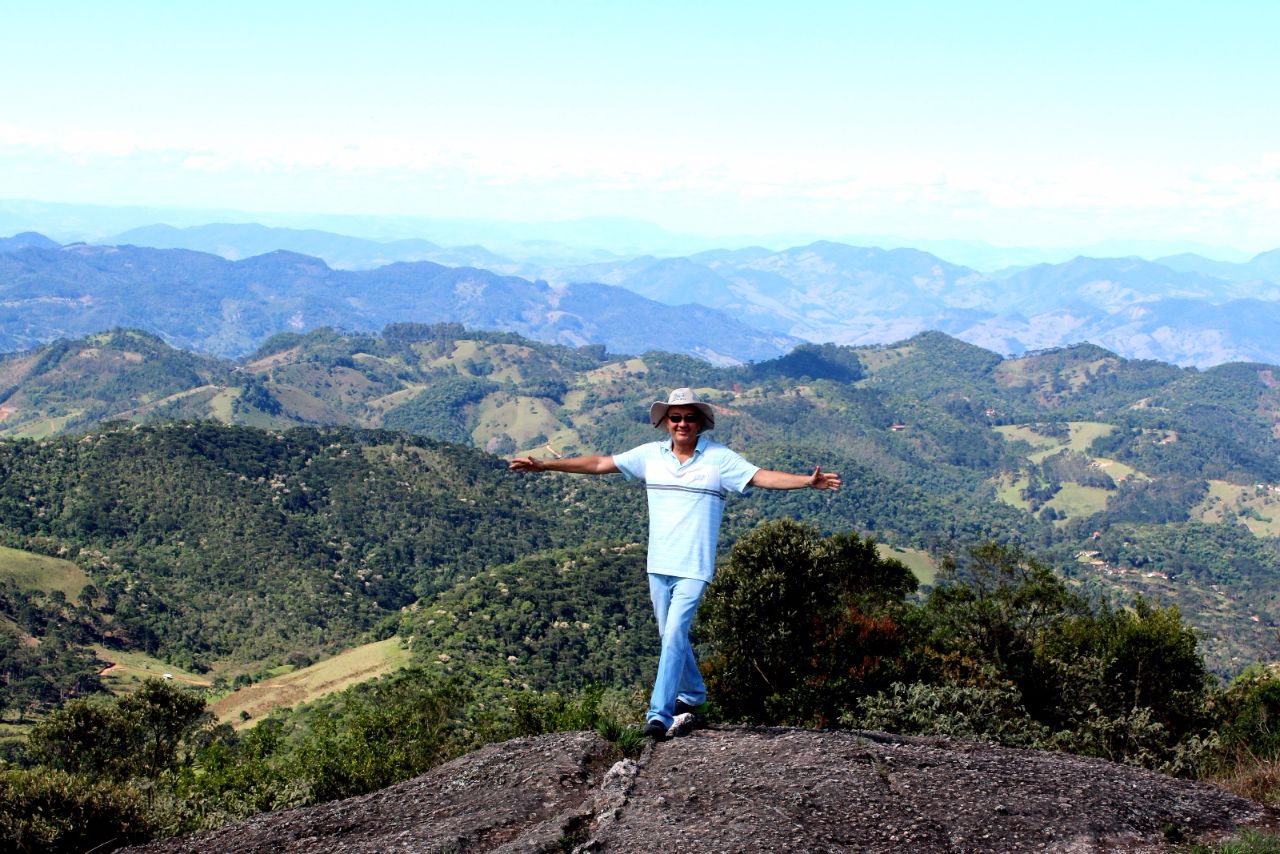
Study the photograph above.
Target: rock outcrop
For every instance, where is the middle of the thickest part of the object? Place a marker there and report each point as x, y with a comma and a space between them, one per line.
738, 789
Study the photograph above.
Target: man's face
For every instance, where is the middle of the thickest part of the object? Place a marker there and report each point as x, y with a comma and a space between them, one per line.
683, 423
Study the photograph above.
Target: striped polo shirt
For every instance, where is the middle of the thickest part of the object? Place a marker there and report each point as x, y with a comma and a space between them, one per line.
686, 502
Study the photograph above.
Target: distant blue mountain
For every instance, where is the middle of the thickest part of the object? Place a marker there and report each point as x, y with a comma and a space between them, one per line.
235, 241
204, 302
829, 291
27, 240
1264, 266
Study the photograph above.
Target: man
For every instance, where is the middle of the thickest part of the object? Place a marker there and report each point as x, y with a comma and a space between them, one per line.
687, 479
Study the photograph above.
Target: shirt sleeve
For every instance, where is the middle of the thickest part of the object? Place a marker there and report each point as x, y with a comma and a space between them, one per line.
631, 463
735, 472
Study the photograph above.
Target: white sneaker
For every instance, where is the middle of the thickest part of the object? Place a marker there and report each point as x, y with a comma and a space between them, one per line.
683, 724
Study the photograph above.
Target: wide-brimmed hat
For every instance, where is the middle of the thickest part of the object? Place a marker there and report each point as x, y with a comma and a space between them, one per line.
682, 397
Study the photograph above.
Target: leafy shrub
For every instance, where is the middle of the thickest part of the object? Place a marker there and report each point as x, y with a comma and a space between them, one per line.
138, 735
800, 626
1249, 716
1125, 684
1132, 736
234, 776
1152, 661
963, 711
989, 616
47, 810
390, 732
607, 710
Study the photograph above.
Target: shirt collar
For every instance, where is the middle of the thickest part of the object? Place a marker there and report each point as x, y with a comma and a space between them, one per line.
669, 447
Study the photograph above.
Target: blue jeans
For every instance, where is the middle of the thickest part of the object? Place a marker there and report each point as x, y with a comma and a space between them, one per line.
675, 602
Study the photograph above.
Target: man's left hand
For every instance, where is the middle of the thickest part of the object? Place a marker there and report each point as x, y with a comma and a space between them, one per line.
824, 479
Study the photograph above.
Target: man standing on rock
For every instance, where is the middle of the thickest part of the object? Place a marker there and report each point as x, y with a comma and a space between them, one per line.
687, 480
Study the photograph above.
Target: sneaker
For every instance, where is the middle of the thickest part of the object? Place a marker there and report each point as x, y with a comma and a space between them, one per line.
684, 724
655, 729
688, 718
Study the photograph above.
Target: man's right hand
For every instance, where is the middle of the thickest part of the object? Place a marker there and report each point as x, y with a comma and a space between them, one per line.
526, 464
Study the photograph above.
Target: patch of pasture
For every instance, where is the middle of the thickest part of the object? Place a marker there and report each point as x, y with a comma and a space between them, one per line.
306, 684
32, 571
922, 566
1256, 506
877, 359
521, 418
1009, 490
125, 671
1084, 432
1023, 432
1074, 500
220, 405
40, 428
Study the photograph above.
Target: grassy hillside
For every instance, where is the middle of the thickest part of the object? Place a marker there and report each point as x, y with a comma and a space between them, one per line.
246, 706
922, 566
36, 572
1256, 506
72, 385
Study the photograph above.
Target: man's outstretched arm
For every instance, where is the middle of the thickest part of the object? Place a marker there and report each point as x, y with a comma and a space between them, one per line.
768, 479
572, 465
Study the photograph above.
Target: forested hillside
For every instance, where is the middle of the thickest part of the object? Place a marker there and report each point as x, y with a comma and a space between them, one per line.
208, 545
1129, 476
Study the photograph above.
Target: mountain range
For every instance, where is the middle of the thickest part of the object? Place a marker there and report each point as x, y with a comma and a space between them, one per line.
855, 295
586, 239
207, 303
751, 303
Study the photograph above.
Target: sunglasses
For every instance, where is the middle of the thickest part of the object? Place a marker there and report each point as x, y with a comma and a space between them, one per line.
677, 418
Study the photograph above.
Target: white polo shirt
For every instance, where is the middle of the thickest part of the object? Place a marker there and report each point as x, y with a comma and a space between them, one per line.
686, 502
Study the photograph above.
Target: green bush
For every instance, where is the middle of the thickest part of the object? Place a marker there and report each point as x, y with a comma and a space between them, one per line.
608, 710
799, 626
369, 741
989, 617
234, 776
138, 735
1248, 842
47, 810
963, 711
1153, 662
1249, 716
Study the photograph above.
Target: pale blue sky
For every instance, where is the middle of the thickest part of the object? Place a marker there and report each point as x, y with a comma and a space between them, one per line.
1028, 123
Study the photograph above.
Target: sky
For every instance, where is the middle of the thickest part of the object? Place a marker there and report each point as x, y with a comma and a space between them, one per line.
1017, 123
